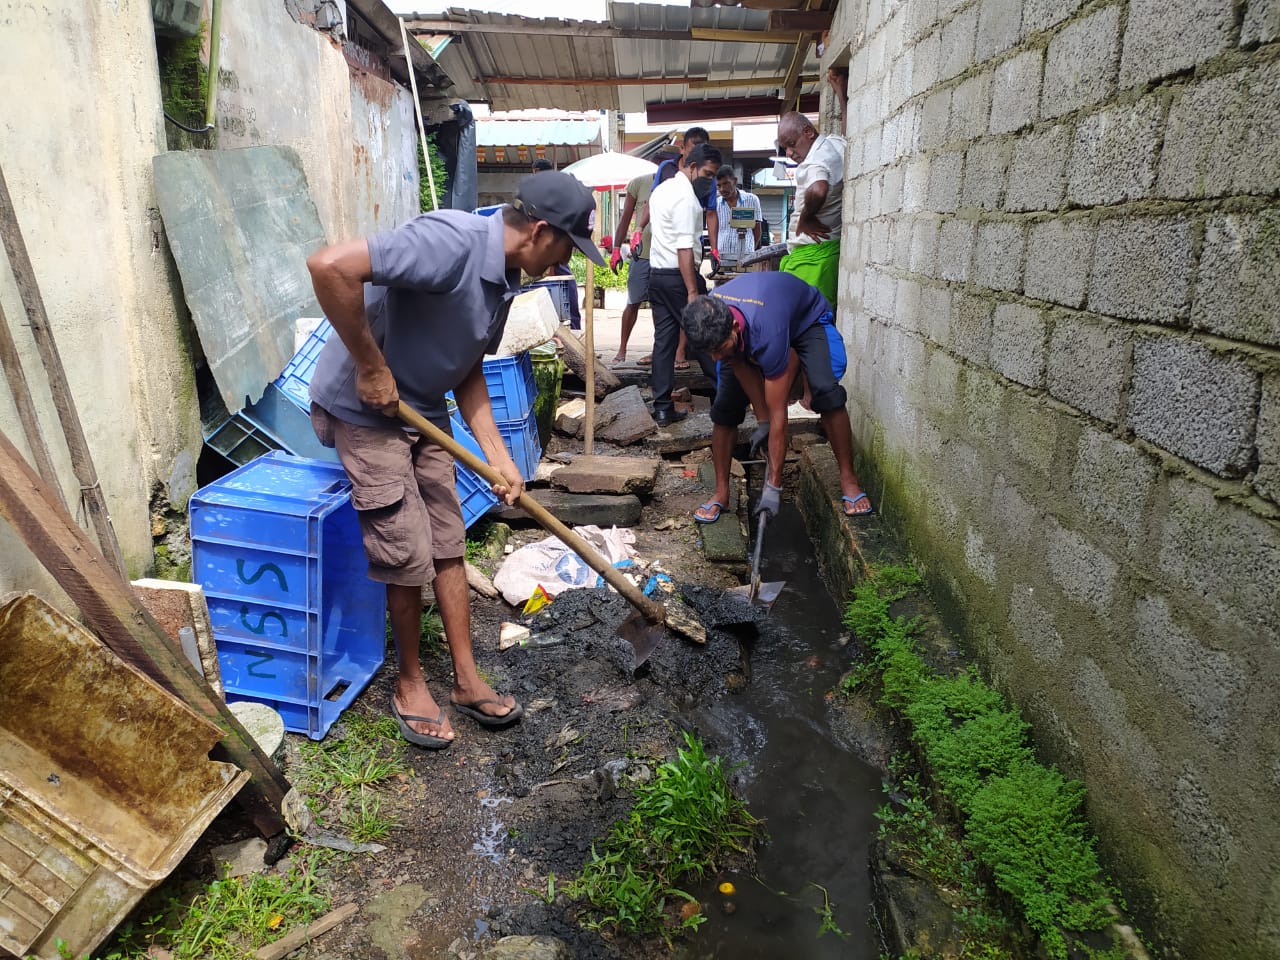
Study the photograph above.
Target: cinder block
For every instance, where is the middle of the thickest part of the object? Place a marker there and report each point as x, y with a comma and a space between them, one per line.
1019, 342
1195, 402
900, 80
907, 304
978, 558
970, 108
1207, 844
891, 191
880, 248
955, 249
997, 259
924, 245
1207, 682
1142, 268
1103, 710
971, 327
1157, 43
1081, 65
1112, 483
915, 184
1015, 92
921, 15
999, 22
1223, 136
1087, 363
1224, 554
945, 175
935, 317
879, 294
1237, 294
986, 171
1081, 569
1261, 22
958, 40
902, 243
1058, 256
926, 64
1040, 15
1033, 625
982, 408
1018, 520
1267, 480
1113, 157
1031, 431
1037, 175
933, 119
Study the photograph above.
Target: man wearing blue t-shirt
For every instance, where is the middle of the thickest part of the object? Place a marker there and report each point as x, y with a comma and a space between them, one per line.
766, 329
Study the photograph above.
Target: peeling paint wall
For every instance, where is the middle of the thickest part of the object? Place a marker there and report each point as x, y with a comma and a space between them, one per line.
1058, 284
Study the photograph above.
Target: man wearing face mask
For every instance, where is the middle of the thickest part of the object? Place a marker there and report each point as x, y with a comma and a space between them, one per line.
415, 310
676, 210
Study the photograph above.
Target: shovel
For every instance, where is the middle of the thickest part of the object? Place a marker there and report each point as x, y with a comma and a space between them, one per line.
645, 628
755, 591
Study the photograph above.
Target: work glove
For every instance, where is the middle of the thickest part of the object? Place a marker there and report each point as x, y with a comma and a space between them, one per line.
615, 259
770, 501
637, 239
759, 438
715, 260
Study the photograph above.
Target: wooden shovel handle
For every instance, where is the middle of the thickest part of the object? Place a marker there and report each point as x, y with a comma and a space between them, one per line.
651, 609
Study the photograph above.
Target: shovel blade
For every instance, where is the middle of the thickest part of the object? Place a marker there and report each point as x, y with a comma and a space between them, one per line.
766, 593
644, 636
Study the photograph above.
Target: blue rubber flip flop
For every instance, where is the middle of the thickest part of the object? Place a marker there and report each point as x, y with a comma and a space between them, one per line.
852, 501
720, 508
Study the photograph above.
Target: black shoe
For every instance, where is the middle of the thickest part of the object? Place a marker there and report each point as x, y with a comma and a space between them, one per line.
668, 417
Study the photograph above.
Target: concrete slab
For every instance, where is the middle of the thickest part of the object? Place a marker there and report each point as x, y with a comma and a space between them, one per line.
724, 541
623, 418
580, 508
614, 475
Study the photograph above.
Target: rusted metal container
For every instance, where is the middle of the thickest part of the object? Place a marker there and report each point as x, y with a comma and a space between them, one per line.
105, 783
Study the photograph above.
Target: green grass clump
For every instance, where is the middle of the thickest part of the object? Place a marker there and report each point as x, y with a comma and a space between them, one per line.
1021, 819
341, 777
684, 822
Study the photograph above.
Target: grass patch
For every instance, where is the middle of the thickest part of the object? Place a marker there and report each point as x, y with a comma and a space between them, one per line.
341, 777
684, 822
1020, 819
227, 920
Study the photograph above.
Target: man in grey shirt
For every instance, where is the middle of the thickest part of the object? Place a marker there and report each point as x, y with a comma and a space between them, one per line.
415, 311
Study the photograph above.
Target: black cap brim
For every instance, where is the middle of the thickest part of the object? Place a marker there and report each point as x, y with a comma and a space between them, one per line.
588, 246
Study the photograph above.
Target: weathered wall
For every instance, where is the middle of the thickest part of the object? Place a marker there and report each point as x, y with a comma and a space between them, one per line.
79, 123
1061, 257
285, 83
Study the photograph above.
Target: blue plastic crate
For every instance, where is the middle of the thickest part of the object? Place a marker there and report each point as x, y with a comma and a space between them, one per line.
289, 427
511, 386
474, 492
563, 290
521, 438
297, 622
490, 210
295, 381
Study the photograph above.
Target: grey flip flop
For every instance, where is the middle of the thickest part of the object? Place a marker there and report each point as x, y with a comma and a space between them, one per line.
425, 740
488, 720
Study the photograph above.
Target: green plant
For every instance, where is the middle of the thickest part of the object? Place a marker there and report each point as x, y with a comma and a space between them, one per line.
682, 824
342, 775
438, 170
828, 924
365, 821
184, 78
604, 277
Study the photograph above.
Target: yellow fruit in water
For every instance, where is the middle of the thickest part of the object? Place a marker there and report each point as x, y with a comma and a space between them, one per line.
727, 888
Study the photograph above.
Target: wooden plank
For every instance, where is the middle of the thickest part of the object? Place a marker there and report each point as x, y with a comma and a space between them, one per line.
805, 21
24, 277
575, 356
297, 938
16, 377
110, 610
535, 28
592, 81
609, 475
622, 418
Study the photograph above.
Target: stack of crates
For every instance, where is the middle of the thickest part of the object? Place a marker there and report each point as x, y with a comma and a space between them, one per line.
298, 624
512, 391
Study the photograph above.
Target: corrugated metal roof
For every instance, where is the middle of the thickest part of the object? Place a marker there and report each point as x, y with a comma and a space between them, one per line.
559, 131
520, 52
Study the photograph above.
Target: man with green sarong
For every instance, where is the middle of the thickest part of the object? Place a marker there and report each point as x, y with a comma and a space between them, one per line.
814, 241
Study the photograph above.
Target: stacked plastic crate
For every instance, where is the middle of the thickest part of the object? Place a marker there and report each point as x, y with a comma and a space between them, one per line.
512, 391
298, 624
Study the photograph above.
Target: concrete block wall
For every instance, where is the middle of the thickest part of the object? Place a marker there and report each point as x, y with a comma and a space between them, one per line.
1061, 294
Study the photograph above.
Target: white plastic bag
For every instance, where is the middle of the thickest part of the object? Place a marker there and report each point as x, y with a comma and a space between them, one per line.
556, 568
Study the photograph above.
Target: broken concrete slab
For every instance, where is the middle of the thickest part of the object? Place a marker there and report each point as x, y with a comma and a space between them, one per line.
574, 355
243, 859
597, 474
691, 433
632, 374
580, 508
725, 540
623, 418
569, 417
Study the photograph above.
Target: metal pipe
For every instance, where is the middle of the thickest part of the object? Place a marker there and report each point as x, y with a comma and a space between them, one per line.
215, 54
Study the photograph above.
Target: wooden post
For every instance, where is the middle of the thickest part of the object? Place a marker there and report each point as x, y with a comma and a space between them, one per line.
589, 424
81, 460
17, 379
112, 611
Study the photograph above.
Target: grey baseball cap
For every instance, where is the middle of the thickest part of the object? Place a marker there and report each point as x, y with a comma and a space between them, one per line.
565, 203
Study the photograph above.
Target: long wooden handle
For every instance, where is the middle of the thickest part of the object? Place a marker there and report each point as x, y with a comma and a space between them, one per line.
652, 610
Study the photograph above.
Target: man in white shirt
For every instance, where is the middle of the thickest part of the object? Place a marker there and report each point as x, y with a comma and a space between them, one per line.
735, 242
676, 209
814, 243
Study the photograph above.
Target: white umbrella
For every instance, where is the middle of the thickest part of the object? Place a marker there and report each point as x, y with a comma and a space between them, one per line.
610, 171
602, 173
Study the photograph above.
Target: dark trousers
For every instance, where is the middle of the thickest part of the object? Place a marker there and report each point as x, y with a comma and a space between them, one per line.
667, 297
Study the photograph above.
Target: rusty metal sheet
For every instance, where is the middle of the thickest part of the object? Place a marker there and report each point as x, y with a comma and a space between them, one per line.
241, 224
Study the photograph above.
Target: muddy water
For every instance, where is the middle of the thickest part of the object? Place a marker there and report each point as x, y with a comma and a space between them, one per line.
817, 797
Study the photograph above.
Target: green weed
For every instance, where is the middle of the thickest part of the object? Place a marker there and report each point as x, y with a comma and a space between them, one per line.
684, 822
824, 912
342, 775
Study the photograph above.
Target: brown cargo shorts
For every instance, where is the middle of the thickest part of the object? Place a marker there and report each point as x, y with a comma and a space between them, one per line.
404, 490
